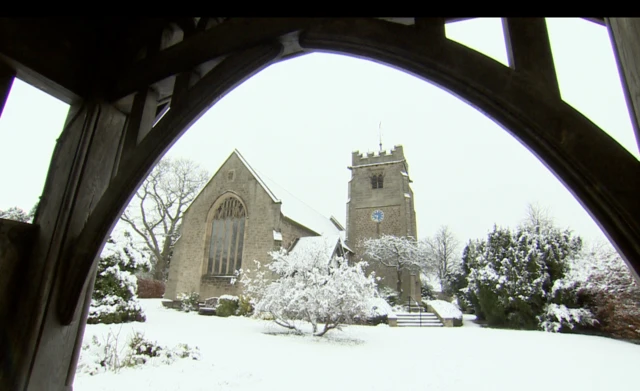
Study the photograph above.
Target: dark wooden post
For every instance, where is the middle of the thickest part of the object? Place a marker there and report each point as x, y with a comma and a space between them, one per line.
7, 75
625, 38
529, 50
44, 351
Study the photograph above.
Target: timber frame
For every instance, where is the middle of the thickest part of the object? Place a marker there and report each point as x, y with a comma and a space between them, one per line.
135, 85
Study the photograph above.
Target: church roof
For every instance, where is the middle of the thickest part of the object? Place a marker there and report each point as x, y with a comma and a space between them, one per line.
325, 244
292, 207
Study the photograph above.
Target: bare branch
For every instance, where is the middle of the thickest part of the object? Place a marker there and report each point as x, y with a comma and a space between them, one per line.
155, 213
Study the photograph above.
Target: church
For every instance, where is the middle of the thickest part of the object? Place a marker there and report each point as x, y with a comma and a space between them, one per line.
241, 215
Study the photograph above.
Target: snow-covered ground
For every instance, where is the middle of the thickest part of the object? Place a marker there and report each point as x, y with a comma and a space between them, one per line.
247, 354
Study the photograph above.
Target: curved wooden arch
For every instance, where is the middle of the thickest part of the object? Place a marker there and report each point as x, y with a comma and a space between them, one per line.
601, 174
578, 152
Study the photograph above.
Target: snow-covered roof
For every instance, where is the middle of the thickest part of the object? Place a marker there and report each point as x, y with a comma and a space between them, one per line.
292, 207
255, 174
314, 244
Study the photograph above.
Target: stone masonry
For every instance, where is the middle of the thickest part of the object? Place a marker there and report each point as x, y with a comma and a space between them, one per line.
263, 216
394, 199
188, 272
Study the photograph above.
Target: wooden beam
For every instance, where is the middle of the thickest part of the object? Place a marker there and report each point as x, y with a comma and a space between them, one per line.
7, 74
43, 56
625, 39
230, 36
600, 21
529, 50
213, 86
187, 24
139, 123
184, 81
81, 171
431, 27
16, 241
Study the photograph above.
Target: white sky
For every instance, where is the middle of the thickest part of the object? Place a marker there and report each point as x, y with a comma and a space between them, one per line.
298, 122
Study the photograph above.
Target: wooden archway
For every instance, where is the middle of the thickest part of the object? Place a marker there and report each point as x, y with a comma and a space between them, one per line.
119, 127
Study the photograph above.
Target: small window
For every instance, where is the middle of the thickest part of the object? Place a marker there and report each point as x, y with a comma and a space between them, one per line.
376, 181
231, 175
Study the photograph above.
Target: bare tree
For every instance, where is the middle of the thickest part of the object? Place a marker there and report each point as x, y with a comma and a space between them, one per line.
538, 217
443, 255
155, 213
397, 252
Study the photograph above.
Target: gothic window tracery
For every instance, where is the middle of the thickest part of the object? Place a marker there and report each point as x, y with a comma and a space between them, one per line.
227, 236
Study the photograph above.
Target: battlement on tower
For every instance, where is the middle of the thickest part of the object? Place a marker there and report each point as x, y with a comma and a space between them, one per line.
361, 158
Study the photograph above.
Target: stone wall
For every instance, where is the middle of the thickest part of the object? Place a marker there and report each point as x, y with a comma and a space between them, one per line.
292, 231
394, 199
188, 270
188, 265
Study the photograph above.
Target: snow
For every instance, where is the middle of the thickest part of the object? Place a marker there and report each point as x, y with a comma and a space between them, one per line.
407, 195
404, 173
379, 163
277, 235
296, 210
228, 297
292, 207
379, 307
315, 244
445, 309
248, 354
309, 288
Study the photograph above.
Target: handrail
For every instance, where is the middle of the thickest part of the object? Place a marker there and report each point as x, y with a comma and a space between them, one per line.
419, 309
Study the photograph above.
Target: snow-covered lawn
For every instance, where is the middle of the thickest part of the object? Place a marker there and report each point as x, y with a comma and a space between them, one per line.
247, 354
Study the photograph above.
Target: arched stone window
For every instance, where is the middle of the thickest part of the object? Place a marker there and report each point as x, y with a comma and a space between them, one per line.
227, 237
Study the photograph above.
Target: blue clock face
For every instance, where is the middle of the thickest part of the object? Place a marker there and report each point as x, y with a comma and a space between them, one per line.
377, 216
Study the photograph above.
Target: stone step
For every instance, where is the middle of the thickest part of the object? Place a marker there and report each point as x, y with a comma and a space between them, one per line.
420, 325
425, 321
417, 319
423, 315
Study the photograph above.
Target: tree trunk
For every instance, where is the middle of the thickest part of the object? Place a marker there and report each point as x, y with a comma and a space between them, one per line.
159, 272
399, 283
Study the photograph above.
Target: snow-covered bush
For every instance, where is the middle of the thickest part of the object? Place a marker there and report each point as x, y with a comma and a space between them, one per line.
390, 295
511, 274
111, 354
309, 287
558, 317
378, 307
114, 298
227, 305
245, 306
189, 301
602, 279
426, 291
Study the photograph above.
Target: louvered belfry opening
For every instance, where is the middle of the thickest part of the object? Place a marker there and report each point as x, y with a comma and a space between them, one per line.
227, 236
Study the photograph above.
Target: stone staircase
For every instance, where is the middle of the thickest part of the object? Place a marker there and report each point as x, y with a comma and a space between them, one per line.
417, 319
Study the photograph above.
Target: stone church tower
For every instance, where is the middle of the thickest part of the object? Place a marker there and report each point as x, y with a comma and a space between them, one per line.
381, 202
